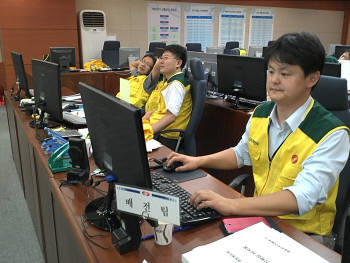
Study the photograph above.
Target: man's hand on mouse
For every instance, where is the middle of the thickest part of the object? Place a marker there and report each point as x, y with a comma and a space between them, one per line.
189, 162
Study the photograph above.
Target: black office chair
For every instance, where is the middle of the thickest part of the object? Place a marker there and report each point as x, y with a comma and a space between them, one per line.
110, 53
186, 143
234, 51
232, 44
194, 47
331, 93
153, 45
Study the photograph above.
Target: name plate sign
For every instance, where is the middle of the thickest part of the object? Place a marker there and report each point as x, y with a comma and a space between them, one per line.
148, 204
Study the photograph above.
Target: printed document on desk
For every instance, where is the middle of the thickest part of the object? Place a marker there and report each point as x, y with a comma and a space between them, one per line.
257, 243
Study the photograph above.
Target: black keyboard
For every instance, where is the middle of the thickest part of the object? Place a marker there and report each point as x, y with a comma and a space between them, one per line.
188, 214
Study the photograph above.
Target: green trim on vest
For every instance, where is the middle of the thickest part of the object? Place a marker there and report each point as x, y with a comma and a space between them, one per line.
264, 110
319, 122
180, 77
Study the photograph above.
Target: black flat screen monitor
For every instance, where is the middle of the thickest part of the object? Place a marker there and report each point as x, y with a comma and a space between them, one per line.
47, 87
63, 56
117, 137
339, 50
248, 72
331, 69
21, 77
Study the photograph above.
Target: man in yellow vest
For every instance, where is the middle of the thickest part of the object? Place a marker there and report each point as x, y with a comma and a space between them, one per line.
140, 88
295, 146
170, 104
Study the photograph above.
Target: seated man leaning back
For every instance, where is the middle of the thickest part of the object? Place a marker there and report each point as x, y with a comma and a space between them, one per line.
170, 104
295, 146
140, 80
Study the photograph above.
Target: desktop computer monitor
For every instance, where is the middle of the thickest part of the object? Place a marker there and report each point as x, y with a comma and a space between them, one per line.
47, 88
125, 53
248, 73
209, 61
339, 50
119, 148
331, 69
117, 137
214, 50
255, 51
21, 77
63, 56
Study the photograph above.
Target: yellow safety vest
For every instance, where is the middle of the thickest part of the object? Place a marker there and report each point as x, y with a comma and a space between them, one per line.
287, 162
138, 96
156, 102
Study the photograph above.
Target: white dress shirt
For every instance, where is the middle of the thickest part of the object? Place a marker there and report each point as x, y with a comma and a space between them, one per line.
319, 171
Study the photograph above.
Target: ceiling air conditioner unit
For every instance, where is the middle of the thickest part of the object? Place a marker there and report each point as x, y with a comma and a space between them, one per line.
92, 34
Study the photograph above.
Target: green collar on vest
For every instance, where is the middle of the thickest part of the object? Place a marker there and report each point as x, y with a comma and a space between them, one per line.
264, 110
317, 123
180, 77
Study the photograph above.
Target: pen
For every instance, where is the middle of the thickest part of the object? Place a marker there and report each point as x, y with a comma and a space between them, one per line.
176, 229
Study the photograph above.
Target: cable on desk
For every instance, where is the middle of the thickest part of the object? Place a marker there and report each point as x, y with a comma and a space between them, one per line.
89, 237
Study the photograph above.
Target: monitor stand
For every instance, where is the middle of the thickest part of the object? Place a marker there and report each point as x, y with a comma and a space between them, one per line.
235, 103
125, 228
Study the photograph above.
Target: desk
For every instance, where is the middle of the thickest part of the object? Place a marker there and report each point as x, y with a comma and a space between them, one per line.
107, 81
56, 211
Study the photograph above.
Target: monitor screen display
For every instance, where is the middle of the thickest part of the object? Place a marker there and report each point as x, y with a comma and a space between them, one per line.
117, 137
339, 50
20, 73
248, 72
331, 69
125, 53
47, 87
63, 56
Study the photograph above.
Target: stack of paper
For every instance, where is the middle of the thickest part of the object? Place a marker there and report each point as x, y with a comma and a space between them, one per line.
257, 243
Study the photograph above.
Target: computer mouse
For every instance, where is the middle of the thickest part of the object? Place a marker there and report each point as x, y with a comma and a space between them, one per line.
171, 168
73, 106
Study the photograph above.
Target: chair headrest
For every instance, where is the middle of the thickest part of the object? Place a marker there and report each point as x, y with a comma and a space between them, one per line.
111, 45
332, 93
234, 51
197, 70
231, 44
153, 45
194, 47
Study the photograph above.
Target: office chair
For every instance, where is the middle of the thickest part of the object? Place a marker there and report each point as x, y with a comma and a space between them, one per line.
232, 44
153, 45
194, 47
110, 53
234, 51
186, 143
338, 104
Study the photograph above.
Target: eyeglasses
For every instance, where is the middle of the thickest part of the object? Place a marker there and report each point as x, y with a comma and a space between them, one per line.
166, 58
147, 64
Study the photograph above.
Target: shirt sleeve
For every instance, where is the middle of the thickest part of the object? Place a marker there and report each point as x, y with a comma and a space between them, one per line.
149, 84
241, 149
134, 72
174, 95
320, 171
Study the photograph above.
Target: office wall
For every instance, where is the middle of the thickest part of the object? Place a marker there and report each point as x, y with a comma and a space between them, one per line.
31, 27
128, 20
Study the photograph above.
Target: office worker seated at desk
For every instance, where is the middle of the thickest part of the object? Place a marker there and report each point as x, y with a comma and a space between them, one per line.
170, 104
140, 80
295, 146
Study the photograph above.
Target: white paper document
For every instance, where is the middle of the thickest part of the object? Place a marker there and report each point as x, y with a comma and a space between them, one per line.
152, 145
257, 243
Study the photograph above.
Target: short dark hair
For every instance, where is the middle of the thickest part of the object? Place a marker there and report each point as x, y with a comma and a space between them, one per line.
180, 52
303, 49
154, 59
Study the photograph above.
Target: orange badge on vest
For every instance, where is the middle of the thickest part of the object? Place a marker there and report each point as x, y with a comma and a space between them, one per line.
294, 159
